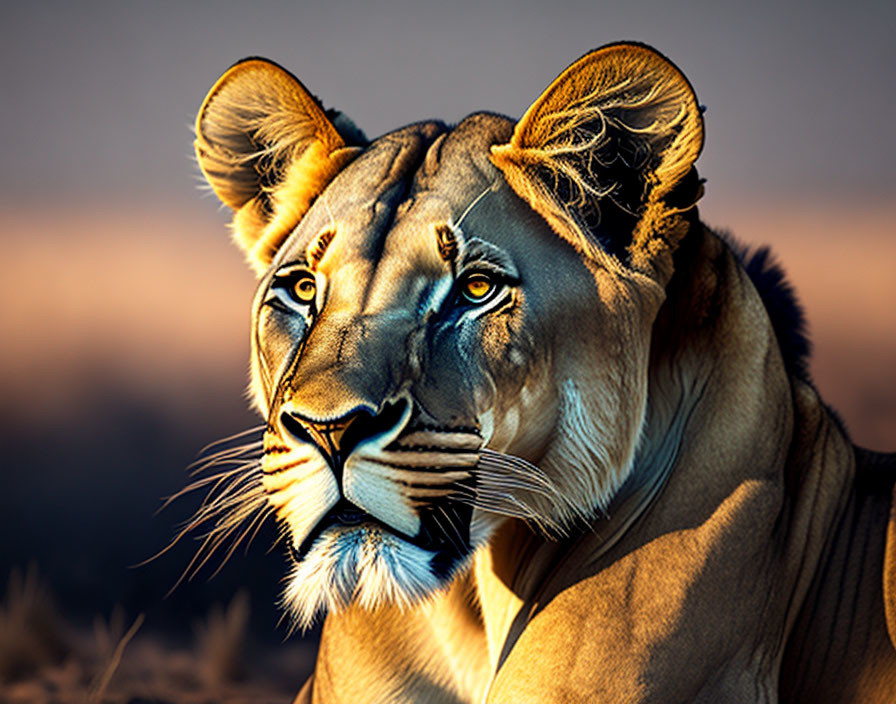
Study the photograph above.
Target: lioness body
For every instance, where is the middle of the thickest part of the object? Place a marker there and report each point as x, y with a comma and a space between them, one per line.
529, 423
787, 550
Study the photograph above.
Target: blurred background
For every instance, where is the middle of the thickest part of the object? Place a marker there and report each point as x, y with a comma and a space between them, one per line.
124, 308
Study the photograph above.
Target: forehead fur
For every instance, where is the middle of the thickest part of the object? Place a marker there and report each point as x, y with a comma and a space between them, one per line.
458, 167
364, 197
406, 180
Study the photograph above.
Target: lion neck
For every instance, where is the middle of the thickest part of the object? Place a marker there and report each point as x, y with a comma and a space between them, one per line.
707, 482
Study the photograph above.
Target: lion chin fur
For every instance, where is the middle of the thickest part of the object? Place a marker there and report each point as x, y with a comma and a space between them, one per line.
533, 432
364, 566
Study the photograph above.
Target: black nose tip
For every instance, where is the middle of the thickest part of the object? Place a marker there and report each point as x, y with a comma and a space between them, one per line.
338, 437
327, 435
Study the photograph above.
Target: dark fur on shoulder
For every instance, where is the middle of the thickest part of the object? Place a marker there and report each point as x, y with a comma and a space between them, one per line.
781, 303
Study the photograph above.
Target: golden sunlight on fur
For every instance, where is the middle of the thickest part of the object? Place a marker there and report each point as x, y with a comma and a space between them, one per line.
532, 431
302, 152
611, 88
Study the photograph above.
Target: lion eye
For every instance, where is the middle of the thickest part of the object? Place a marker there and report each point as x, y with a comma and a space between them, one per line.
477, 288
304, 289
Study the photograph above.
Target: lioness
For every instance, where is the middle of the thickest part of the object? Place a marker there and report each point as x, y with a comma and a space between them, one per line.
535, 433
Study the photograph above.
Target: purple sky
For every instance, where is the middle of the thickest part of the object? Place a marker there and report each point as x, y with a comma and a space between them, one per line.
98, 97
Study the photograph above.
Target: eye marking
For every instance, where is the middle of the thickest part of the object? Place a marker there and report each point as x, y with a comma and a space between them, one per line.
319, 247
478, 288
446, 241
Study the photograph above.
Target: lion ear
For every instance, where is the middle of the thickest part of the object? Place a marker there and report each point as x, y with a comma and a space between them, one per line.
610, 138
268, 150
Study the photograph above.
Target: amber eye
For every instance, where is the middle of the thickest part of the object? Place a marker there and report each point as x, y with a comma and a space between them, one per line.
304, 289
477, 288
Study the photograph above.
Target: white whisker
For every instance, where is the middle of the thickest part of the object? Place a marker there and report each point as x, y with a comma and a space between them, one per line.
230, 438
234, 506
497, 474
452, 531
232, 453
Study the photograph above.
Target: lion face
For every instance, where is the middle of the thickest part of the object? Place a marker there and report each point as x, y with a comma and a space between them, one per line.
397, 353
434, 349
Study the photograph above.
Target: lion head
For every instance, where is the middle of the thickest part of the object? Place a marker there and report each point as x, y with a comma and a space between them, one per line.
452, 324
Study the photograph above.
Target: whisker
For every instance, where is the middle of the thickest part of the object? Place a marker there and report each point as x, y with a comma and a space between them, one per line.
282, 532
229, 453
266, 512
231, 497
516, 468
230, 438
493, 186
217, 496
234, 507
447, 530
512, 507
212, 512
454, 534
213, 540
199, 484
225, 462
497, 474
206, 455
210, 506
252, 527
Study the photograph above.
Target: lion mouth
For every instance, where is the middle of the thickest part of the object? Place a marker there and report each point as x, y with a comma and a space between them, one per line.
349, 515
343, 515
432, 536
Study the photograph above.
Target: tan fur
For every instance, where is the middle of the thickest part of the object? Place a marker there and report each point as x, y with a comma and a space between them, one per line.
698, 600
258, 103
612, 86
680, 519
306, 179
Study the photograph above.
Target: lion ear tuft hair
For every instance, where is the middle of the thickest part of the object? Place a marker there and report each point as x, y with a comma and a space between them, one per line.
268, 149
605, 147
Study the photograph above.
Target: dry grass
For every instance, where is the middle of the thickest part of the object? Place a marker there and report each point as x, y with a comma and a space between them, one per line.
44, 659
30, 637
101, 681
221, 639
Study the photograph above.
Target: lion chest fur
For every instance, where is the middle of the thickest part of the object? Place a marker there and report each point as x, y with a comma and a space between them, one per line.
529, 432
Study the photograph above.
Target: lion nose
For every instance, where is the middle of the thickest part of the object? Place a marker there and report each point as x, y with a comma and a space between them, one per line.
327, 434
336, 438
